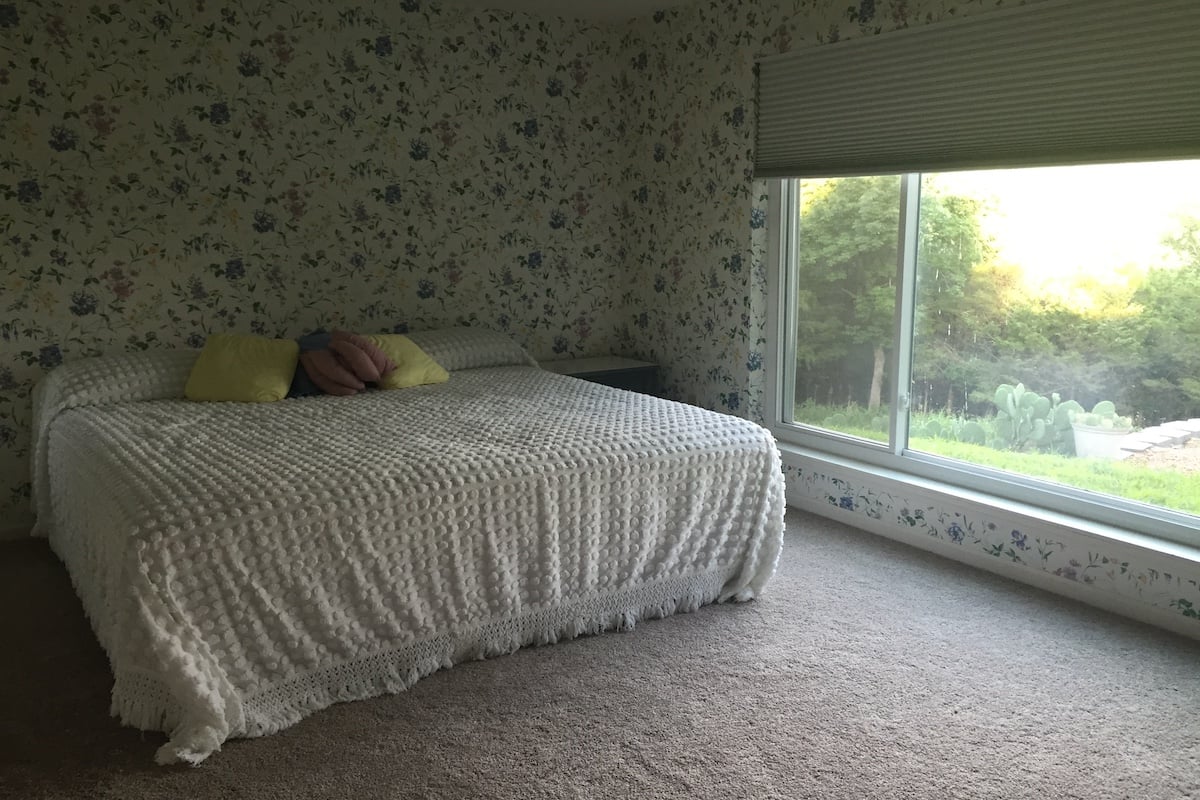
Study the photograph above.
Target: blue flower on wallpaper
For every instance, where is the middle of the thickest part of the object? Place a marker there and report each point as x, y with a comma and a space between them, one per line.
641, 61
560, 345
418, 150
161, 21
7, 436
410, 5
178, 186
62, 139
425, 289
758, 219
392, 194
195, 340
358, 261
754, 362
846, 502
179, 132
642, 195
660, 152
264, 222
50, 356
554, 87
866, 10
218, 114
502, 145
28, 192
383, 46
530, 128
956, 533
249, 65
83, 303
7, 381
660, 284
1020, 540
642, 320
734, 263
737, 116
9, 16
733, 400
347, 114
234, 269
557, 219
534, 259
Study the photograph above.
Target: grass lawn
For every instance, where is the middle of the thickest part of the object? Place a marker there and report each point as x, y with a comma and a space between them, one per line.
1174, 490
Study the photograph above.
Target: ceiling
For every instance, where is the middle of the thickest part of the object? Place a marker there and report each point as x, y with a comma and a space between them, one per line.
600, 10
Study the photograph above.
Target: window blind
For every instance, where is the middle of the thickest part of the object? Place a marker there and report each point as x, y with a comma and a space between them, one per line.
1053, 82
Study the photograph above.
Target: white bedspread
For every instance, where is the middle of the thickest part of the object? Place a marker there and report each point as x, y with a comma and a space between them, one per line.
247, 565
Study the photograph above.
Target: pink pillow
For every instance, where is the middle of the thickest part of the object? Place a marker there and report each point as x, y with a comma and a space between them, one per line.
328, 373
361, 356
350, 363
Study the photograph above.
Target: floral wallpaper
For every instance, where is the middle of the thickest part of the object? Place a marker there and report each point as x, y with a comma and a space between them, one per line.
1163, 583
171, 168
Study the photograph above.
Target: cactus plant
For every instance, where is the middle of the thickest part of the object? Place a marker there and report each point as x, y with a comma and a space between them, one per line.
1026, 420
1103, 415
972, 433
1021, 418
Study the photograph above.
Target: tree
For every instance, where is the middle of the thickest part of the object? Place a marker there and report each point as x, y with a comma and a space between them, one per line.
1166, 380
849, 235
849, 231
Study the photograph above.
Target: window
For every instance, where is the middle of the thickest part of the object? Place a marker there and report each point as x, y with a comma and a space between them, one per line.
1031, 332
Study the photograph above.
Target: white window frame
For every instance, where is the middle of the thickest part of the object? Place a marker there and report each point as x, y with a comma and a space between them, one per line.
1003, 488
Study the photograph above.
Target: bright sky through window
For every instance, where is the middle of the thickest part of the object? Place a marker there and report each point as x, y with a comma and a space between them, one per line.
1103, 221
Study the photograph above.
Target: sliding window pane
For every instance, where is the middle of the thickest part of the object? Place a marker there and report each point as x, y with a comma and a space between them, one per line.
1057, 332
845, 282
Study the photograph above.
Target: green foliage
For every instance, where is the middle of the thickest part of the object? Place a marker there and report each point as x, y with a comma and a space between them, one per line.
849, 234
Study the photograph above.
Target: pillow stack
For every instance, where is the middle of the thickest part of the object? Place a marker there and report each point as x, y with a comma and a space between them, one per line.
255, 369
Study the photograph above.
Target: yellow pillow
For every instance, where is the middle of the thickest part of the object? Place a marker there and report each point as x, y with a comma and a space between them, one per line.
245, 369
413, 366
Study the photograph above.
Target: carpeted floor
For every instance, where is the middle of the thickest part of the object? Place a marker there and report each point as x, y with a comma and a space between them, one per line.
870, 670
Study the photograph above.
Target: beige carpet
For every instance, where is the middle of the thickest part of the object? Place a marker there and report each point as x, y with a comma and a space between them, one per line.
869, 671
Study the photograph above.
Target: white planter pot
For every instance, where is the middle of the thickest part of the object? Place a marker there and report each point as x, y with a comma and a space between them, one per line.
1093, 442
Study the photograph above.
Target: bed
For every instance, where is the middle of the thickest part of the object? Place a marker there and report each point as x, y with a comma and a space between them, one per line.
245, 565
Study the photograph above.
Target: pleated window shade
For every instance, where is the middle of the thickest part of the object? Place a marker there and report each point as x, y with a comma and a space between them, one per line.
1054, 82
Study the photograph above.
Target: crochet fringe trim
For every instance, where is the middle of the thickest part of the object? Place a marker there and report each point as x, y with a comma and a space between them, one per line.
394, 671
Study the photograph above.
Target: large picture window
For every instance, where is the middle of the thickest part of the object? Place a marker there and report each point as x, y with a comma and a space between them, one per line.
1033, 332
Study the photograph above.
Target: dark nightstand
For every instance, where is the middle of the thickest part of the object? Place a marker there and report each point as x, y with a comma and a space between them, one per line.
622, 373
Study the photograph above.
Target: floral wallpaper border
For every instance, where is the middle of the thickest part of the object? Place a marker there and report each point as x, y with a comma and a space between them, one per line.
1137, 576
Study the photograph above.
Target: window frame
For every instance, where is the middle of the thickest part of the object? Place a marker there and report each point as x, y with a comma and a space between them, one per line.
1000, 487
